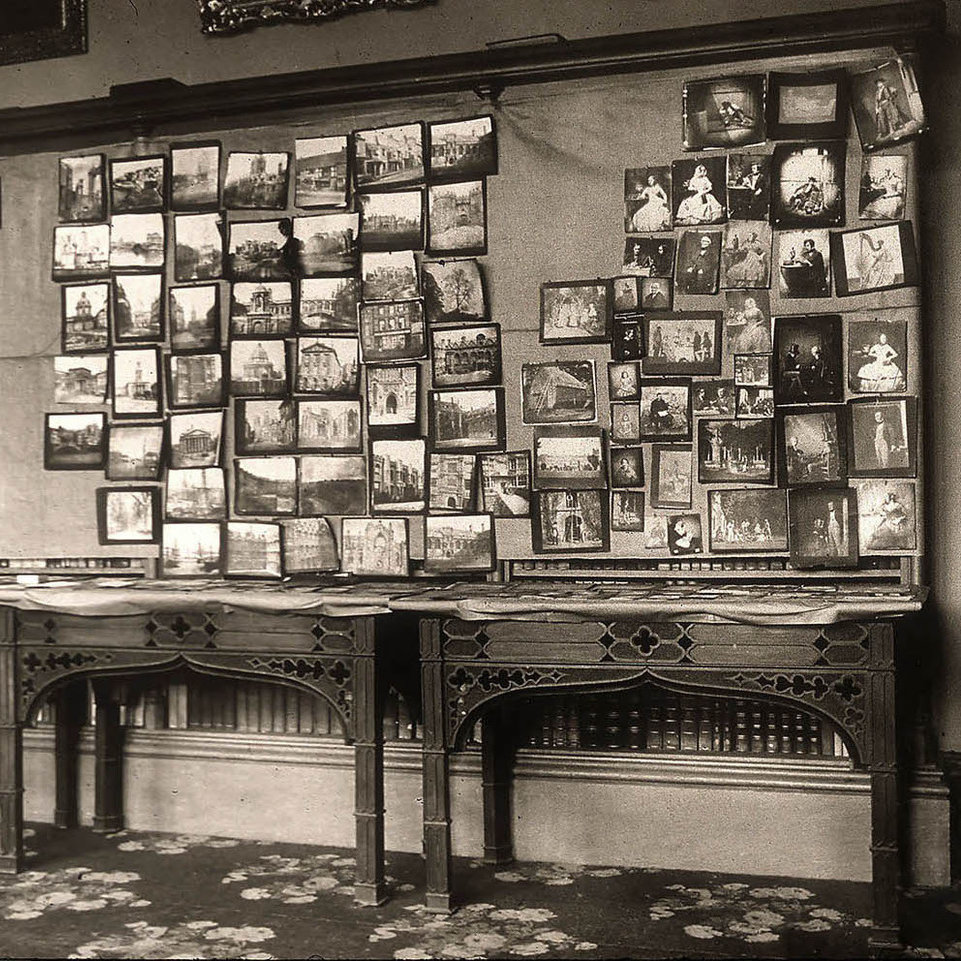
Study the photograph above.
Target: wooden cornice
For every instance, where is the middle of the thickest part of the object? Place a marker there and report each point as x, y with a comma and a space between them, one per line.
167, 107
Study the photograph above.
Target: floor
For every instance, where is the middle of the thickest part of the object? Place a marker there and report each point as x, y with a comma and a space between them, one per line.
133, 894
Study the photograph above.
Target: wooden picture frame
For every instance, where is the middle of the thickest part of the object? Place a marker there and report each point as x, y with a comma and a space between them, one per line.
800, 107
661, 358
834, 541
882, 272
210, 562
817, 459
256, 531
105, 494
561, 518
892, 448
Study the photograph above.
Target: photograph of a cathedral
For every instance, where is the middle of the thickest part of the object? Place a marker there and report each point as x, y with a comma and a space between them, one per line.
258, 368
85, 317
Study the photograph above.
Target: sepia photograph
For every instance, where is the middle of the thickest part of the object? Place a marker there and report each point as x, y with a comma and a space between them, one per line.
672, 474
134, 452
647, 199
623, 380
700, 191
459, 544
627, 337
263, 309
80, 379
374, 546
195, 439
727, 112
136, 383
137, 241
887, 103
195, 380
198, 247
883, 437
258, 368
655, 293
308, 546
665, 410
256, 181
196, 494
649, 256
81, 189
328, 365
813, 441
392, 221
808, 105
698, 262
265, 427
824, 529
328, 425
747, 322
874, 258
626, 292
804, 263
877, 354
808, 184
748, 520
749, 186
398, 476
684, 534
627, 510
328, 305
569, 458
625, 422
567, 520
735, 451
746, 254
390, 275
191, 550
655, 533
252, 550
194, 317
467, 419
556, 392
458, 149
808, 355
81, 251
137, 184
388, 156
504, 483
326, 244
755, 402
333, 484
265, 485
74, 441
260, 250
392, 397
752, 370
457, 218
85, 315
392, 330
195, 176
576, 312
453, 292
465, 356
714, 397
884, 185
682, 343
138, 308
887, 516
320, 172
451, 482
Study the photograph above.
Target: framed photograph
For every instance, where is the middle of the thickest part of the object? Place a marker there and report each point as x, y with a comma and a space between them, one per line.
687, 342
138, 184
625, 422
466, 356
39, 31
459, 544
392, 330
196, 494
328, 365
747, 520
333, 484
874, 258
265, 485
258, 368
884, 186
877, 355
749, 186
804, 262
626, 292
134, 452
253, 550
700, 191
569, 458
735, 451
195, 439
624, 380
576, 312
808, 184
665, 412
261, 310
649, 256
320, 172
265, 427
460, 149
453, 292
332, 425
467, 419
260, 250
191, 550
81, 189
824, 530
887, 517
672, 474
755, 402
752, 370
627, 337
374, 546
327, 244
138, 315
808, 353
74, 441
393, 397
647, 199
504, 483
698, 262
81, 252
308, 546
392, 221
747, 322
457, 218
194, 317
684, 534
256, 181
85, 310
570, 521
451, 483
812, 106
713, 397
887, 103
398, 476
388, 157
655, 533
627, 510
198, 247
884, 437
195, 380
137, 241
329, 305
391, 275
557, 392
746, 255
728, 112
655, 293
80, 379
195, 176
136, 383
814, 445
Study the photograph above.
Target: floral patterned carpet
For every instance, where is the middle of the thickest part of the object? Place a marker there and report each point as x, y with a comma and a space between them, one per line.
138, 895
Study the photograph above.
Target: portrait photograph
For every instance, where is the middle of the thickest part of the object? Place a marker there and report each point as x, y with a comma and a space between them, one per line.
320, 172
558, 391
194, 316
387, 157
195, 176
328, 305
137, 184
333, 425
138, 315
874, 258
735, 451
450, 482
625, 422
258, 368
457, 218
624, 380
252, 550
884, 436
392, 396
328, 365
665, 410
196, 380
398, 476
258, 250
748, 520
392, 221
308, 546
808, 184
698, 262
808, 105
504, 483
627, 510
804, 262
649, 256
195, 438
747, 322
755, 402
455, 544
627, 337
570, 520
713, 397
81, 189
700, 191
465, 356
576, 312
752, 370
813, 442
887, 516
191, 550
195, 494
333, 484
627, 466
453, 292
672, 473
85, 317
749, 186
887, 103
746, 254
262, 309
884, 186
570, 458
460, 149
374, 546
265, 427
728, 112
647, 199
393, 330
824, 528
467, 419
626, 293
808, 357
656, 293
256, 181
877, 354
74, 441
686, 342
137, 241
134, 452
326, 244
136, 383
655, 533
684, 534
198, 247
389, 275
265, 485
81, 252
80, 379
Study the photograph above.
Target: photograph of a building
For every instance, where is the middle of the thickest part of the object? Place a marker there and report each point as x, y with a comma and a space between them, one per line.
81, 188
253, 550
463, 148
195, 438
457, 217
80, 379
81, 251
389, 155
74, 441
136, 382
375, 546
308, 545
397, 474
333, 485
191, 550
504, 481
137, 184
327, 243
85, 317
392, 221
328, 424
462, 543
466, 418
329, 303
328, 365
258, 368
194, 176
255, 250
198, 247
451, 481
262, 309
196, 380
195, 317
133, 452
137, 307
391, 395
196, 493
256, 180
320, 172
137, 240
466, 355
392, 331
265, 425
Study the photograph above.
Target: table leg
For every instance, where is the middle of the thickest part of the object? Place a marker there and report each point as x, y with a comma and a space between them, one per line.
11, 751
108, 802
497, 755
68, 714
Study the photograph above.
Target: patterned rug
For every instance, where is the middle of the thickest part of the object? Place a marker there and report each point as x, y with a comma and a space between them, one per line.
140, 895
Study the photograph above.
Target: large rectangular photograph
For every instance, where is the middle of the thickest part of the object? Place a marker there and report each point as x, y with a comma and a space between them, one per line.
554, 392
570, 458
748, 520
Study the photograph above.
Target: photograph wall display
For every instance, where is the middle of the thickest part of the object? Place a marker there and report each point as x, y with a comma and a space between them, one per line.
265, 485
333, 484
748, 186
735, 451
554, 392
195, 380
457, 218
398, 476
687, 342
823, 526
328, 304
698, 262
198, 247
808, 105
624, 380
884, 186
74, 441
134, 452
459, 149
576, 312
252, 550
672, 475
655, 293
256, 181
81, 251
625, 422
392, 221
714, 397
451, 482
389, 275
752, 370
265, 426
374, 546
804, 263
137, 184
649, 256
467, 419
747, 322
308, 546
260, 250
333, 425
327, 244
746, 255
627, 510
191, 550
328, 365
569, 458
138, 314
136, 383
627, 337
808, 184
655, 533
388, 156
194, 317
877, 355
453, 292
573, 521
808, 355
684, 534
320, 171
755, 402
700, 191
81, 189
80, 379
393, 330
264, 309
85, 317
883, 436
258, 368
196, 494
627, 466
195, 438
626, 293
887, 516
137, 241
463, 356
814, 445
887, 103
504, 483
665, 410
727, 112
456, 544
128, 515
647, 199
748, 520
874, 258
195, 176
393, 394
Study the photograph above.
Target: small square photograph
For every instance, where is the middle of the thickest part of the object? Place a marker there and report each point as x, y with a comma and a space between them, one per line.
875, 258
328, 365
398, 476
195, 380
253, 550
466, 356
735, 451
85, 313
134, 452
374, 546
755, 402
749, 186
265, 485
137, 241
392, 396
136, 383
808, 180
260, 250
655, 293
700, 191
389, 156
684, 534
647, 200
391, 275
453, 292
808, 353
261, 309
256, 181
191, 550
665, 410
195, 176
320, 172
714, 397
576, 312
265, 427
80, 379
81, 189
462, 148
459, 544
884, 186
747, 322
258, 368
333, 484
137, 185
728, 112
329, 304
327, 244
804, 261
451, 483
814, 443
627, 337
649, 256
308, 546
194, 317
457, 218
196, 494
138, 308
808, 105
198, 247
626, 294
467, 419
504, 483
623, 380
683, 343
392, 221
877, 355
748, 520
74, 441
655, 533
328, 425
698, 262
195, 438
672, 475
627, 511
883, 437
569, 458
392, 330
824, 530
625, 423
558, 392
887, 103
752, 370
80, 252
887, 517
746, 256
570, 521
